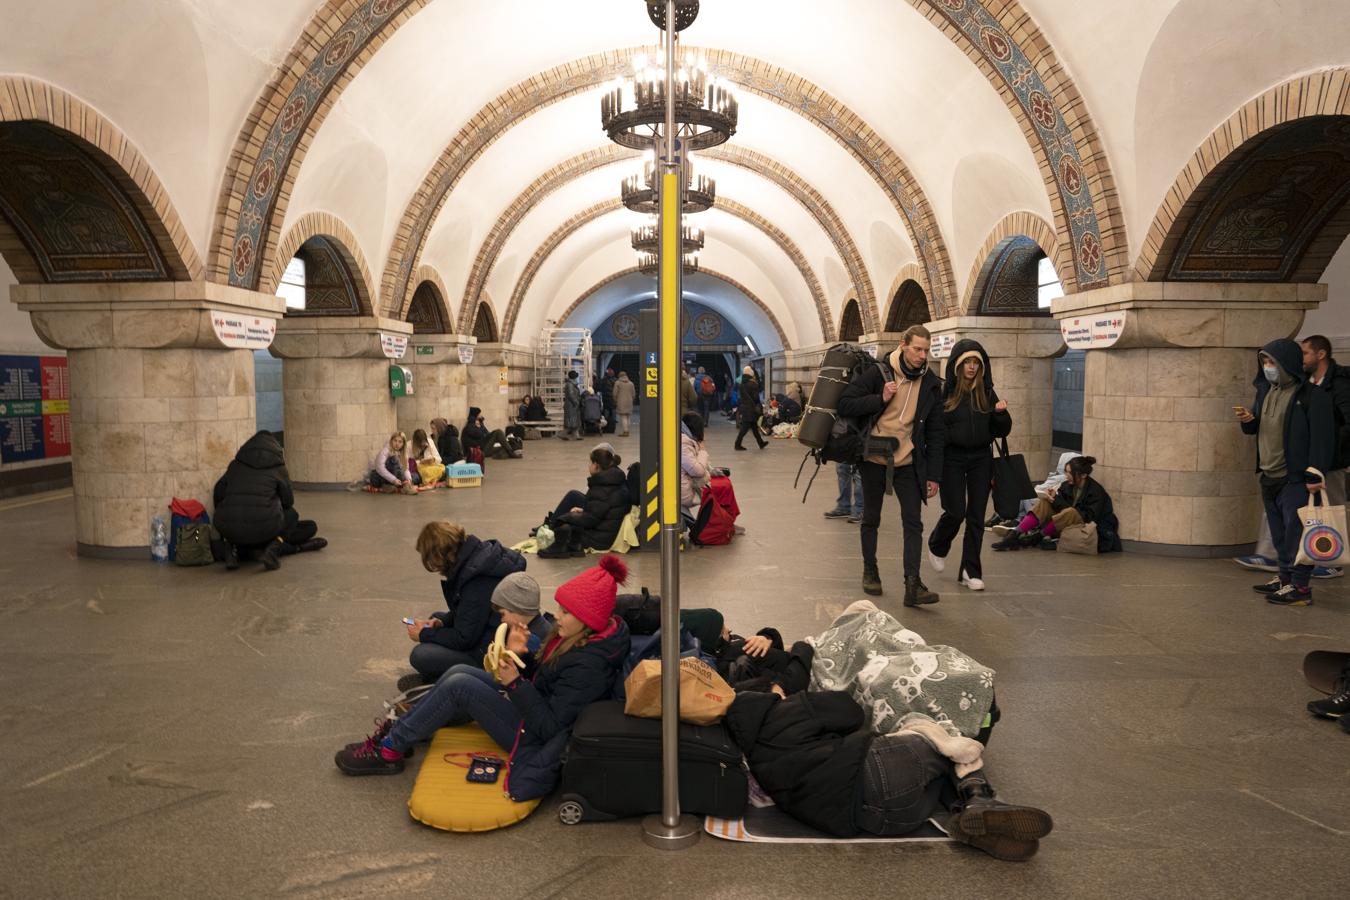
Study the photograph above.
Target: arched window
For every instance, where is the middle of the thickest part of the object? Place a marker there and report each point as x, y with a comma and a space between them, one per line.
851, 326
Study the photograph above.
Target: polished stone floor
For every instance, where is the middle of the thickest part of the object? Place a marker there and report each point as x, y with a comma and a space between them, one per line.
169, 732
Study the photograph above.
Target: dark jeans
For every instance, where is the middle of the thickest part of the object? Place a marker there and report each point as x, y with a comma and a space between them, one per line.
570, 500
294, 530
965, 496
461, 692
911, 512
905, 782
750, 428
434, 660
1282, 503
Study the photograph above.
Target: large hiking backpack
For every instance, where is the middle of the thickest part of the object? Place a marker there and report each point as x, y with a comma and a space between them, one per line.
827, 435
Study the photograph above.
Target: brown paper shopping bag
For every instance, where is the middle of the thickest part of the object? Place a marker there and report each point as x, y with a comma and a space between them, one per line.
704, 695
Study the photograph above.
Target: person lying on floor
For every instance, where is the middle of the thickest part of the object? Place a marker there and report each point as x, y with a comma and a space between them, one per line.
756, 663
470, 570
814, 754
1078, 501
592, 519
528, 712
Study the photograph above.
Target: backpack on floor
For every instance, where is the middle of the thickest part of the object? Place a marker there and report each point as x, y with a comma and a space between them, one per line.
192, 544
715, 524
827, 435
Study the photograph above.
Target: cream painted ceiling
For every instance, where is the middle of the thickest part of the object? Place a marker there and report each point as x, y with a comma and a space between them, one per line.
1156, 76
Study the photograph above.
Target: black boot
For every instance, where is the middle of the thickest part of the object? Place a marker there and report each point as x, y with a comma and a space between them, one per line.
1003, 830
871, 582
314, 544
231, 556
271, 558
917, 593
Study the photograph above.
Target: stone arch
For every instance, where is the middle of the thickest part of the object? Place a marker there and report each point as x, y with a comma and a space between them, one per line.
1019, 223
485, 323
791, 91
768, 313
328, 242
1008, 282
427, 275
1296, 129
590, 214
427, 310
909, 306
64, 142
850, 320
1016, 57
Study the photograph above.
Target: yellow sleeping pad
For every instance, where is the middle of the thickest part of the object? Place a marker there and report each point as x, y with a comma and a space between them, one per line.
443, 799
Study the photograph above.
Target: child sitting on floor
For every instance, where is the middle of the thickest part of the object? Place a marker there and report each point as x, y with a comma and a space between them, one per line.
389, 474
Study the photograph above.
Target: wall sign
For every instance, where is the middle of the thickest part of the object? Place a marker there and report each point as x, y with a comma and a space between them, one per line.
243, 332
426, 350
941, 346
1093, 332
466, 353
394, 345
502, 379
34, 408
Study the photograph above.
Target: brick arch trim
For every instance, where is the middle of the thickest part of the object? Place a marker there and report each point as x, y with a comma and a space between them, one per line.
908, 272
322, 224
1324, 93
1019, 223
33, 100
591, 213
768, 313
791, 91
1003, 41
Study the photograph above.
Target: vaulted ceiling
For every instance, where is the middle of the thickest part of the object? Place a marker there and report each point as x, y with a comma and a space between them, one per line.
463, 138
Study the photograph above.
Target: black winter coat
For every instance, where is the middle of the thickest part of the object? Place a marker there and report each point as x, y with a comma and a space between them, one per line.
1310, 424
807, 752
469, 624
1094, 506
748, 407
967, 427
607, 502
862, 400
549, 697
474, 435
253, 495
1337, 384
448, 446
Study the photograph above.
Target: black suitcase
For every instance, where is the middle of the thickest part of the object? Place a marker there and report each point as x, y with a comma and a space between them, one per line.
612, 768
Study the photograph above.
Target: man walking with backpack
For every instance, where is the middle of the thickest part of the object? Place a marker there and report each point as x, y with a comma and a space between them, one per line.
899, 402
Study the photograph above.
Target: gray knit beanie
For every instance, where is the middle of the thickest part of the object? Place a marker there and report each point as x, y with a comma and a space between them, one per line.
517, 593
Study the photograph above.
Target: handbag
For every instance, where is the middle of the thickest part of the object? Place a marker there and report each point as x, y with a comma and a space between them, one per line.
1323, 540
1079, 539
1012, 484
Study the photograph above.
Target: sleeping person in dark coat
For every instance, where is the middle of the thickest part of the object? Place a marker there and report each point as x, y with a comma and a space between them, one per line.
255, 508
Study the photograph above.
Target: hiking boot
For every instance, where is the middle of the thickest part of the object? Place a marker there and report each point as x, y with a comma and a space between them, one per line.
231, 556
382, 729
1268, 587
1331, 707
1003, 830
367, 758
271, 559
1011, 541
1291, 596
871, 582
917, 593
838, 514
314, 544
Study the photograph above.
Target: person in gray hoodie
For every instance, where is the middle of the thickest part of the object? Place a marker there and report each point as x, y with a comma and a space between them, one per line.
1295, 432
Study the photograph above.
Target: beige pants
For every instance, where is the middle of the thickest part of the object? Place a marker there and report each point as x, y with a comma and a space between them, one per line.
1044, 512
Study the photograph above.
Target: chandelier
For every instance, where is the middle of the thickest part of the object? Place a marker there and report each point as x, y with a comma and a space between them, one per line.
633, 110
639, 191
645, 238
648, 263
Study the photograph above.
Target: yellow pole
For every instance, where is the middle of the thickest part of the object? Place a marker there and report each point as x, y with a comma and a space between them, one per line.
670, 390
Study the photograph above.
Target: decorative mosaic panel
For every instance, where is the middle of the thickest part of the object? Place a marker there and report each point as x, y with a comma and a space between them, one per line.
851, 326
1009, 282
704, 328
330, 289
260, 198
910, 307
74, 219
1007, 58
484, 325
427, 312
1266, 205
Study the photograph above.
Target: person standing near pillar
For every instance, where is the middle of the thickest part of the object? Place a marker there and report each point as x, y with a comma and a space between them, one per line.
1323, 371
974, 417
749, 410
625, 395
1295, 432
903, 450
571, 408
607, 401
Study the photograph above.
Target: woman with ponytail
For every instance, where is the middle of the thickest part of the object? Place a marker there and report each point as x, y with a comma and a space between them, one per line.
591, 520
528, 711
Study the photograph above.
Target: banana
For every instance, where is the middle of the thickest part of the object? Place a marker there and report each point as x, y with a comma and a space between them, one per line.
497, 649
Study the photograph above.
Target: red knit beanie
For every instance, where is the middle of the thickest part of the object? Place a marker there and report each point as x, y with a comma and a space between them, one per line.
590, 596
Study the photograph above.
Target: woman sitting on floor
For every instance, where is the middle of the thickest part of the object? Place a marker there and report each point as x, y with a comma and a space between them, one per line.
389, 473
470, 571
593, 519
695, 469
447, 441
528, 713
1079, 500
424, 462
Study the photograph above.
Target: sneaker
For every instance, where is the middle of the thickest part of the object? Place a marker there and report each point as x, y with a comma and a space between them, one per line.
937, 562
871, 580
993, 520
1331, 707
410, 681
1327, 572
854, 520
1003, 530
838, 514
1011, 541
1049, 543
382, 729
1259, 563
1268, 587
1291, 596
975, 584
367, 758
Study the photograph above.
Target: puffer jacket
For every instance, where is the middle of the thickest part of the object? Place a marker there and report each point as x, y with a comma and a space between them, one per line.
967, 427
694, 471
253, 495
468, 622
607, 502
550, 696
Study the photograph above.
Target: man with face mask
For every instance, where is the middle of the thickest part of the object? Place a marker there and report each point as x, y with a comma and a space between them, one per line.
1295, 432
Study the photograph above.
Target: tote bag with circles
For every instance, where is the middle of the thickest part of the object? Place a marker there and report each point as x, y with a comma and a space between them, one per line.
1323, 540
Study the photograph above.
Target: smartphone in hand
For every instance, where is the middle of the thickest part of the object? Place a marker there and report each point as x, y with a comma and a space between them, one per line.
408, 620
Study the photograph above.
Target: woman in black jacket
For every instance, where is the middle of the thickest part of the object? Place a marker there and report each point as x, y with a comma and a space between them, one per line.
749, 409
592, 519
975, 417
255, 508
447, 441
1078, 501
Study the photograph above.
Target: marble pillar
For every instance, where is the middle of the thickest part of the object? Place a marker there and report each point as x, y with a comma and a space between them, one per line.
1158, 406
335, 383
440, 382
160, 401
485, 381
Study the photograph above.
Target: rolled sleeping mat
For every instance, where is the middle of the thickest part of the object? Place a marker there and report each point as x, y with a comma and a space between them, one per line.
821, 409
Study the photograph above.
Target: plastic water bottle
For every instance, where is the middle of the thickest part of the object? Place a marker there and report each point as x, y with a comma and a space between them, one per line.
159, 539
